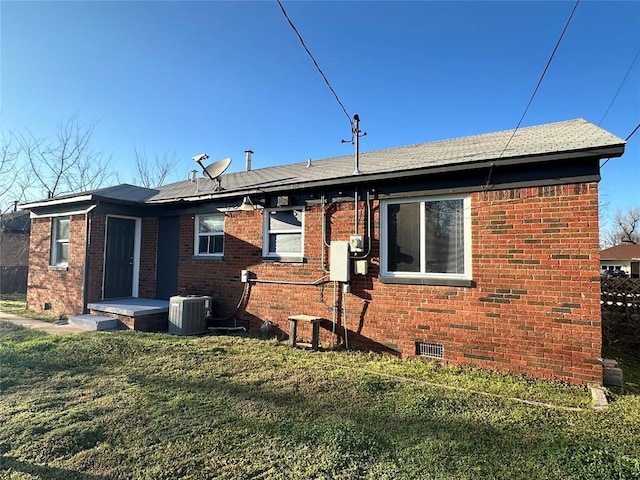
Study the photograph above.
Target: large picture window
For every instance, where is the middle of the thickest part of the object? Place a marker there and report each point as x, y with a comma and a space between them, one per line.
426, 237
283, 237
209, 239
60, 241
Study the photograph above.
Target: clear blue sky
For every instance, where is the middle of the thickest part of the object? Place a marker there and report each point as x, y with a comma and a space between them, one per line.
223, 77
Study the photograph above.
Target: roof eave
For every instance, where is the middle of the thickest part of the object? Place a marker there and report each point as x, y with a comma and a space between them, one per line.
59, 201
611, 151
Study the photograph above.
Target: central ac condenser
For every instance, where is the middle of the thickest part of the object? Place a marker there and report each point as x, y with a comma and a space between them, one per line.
187, 315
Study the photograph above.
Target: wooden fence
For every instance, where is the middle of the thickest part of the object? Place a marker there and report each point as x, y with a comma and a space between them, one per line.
620, 304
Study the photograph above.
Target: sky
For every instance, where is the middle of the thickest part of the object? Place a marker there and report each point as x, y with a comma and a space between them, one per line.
186, 78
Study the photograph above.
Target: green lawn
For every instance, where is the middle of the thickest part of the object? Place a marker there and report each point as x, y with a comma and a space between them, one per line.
128, 405
16, 303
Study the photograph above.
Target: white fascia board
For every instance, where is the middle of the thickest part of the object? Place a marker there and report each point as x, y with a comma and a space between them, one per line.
63, 214
49, 203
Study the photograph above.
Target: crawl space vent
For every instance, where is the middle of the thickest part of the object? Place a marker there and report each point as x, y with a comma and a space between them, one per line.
429, 350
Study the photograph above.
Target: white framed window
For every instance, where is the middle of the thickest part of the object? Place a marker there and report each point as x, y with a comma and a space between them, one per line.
427, 237
283, 233
60, 241
209, 233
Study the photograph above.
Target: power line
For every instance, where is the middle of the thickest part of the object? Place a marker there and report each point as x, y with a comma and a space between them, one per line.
632, 133
314, 62
620, 87
626, 140
541, 77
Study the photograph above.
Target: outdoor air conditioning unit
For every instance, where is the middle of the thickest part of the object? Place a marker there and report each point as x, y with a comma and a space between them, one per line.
187, 315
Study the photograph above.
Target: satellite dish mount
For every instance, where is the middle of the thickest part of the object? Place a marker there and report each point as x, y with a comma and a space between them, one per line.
214, 170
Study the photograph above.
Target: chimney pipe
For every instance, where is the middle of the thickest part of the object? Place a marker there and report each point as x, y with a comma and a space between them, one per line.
248, 154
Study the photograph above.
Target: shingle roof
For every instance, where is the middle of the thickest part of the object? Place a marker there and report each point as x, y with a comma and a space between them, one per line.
123, 193
570, 136
577, 138
126, 192
624, 251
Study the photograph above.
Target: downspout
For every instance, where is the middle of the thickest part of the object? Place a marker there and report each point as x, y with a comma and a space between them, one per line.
85, 279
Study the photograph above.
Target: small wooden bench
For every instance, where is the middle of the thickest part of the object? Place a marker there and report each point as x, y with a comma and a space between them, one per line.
293, 328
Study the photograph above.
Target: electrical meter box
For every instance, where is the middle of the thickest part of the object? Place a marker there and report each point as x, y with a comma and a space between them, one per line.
339, 262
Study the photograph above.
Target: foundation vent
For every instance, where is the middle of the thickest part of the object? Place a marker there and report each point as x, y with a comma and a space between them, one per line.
429, 350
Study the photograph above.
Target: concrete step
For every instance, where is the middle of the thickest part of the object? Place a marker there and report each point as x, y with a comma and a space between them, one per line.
611, 374
94, 322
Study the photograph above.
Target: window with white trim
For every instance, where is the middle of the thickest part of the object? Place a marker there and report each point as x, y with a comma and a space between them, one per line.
209, 231
428, 237
283, 233
60, 241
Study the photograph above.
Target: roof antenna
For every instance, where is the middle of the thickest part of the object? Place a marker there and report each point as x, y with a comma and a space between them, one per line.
356, 133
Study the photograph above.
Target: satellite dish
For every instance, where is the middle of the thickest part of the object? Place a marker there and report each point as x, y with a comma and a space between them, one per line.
217, 168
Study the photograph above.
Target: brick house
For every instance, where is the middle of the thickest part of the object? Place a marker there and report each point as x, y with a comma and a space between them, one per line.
479, 250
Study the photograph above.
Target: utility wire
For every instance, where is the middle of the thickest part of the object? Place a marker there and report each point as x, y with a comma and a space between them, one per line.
620, 87
626, 140
314, 62
541, 77
632, 133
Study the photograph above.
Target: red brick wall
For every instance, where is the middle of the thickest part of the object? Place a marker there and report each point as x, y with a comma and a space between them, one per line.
61, 289
148, 253
97, 228
534, 307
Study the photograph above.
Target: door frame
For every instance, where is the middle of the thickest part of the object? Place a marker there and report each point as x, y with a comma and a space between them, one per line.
136, 252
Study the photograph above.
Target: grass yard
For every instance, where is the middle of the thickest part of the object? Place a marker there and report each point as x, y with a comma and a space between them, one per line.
128, 405
16, 303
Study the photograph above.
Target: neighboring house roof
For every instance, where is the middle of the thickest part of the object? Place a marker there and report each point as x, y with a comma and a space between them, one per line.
625, 251
555, 141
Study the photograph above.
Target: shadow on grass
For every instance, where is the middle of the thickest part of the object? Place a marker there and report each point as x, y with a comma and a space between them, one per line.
9, 464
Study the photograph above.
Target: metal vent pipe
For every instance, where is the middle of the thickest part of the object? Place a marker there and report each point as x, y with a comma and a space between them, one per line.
248, 154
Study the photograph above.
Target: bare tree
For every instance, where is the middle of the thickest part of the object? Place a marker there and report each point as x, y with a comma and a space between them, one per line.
153, 172
625, 228
12, 188
65, 164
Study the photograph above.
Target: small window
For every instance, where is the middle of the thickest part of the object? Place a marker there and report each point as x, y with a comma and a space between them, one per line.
209, 239
426, 238
60, 241
283, 233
